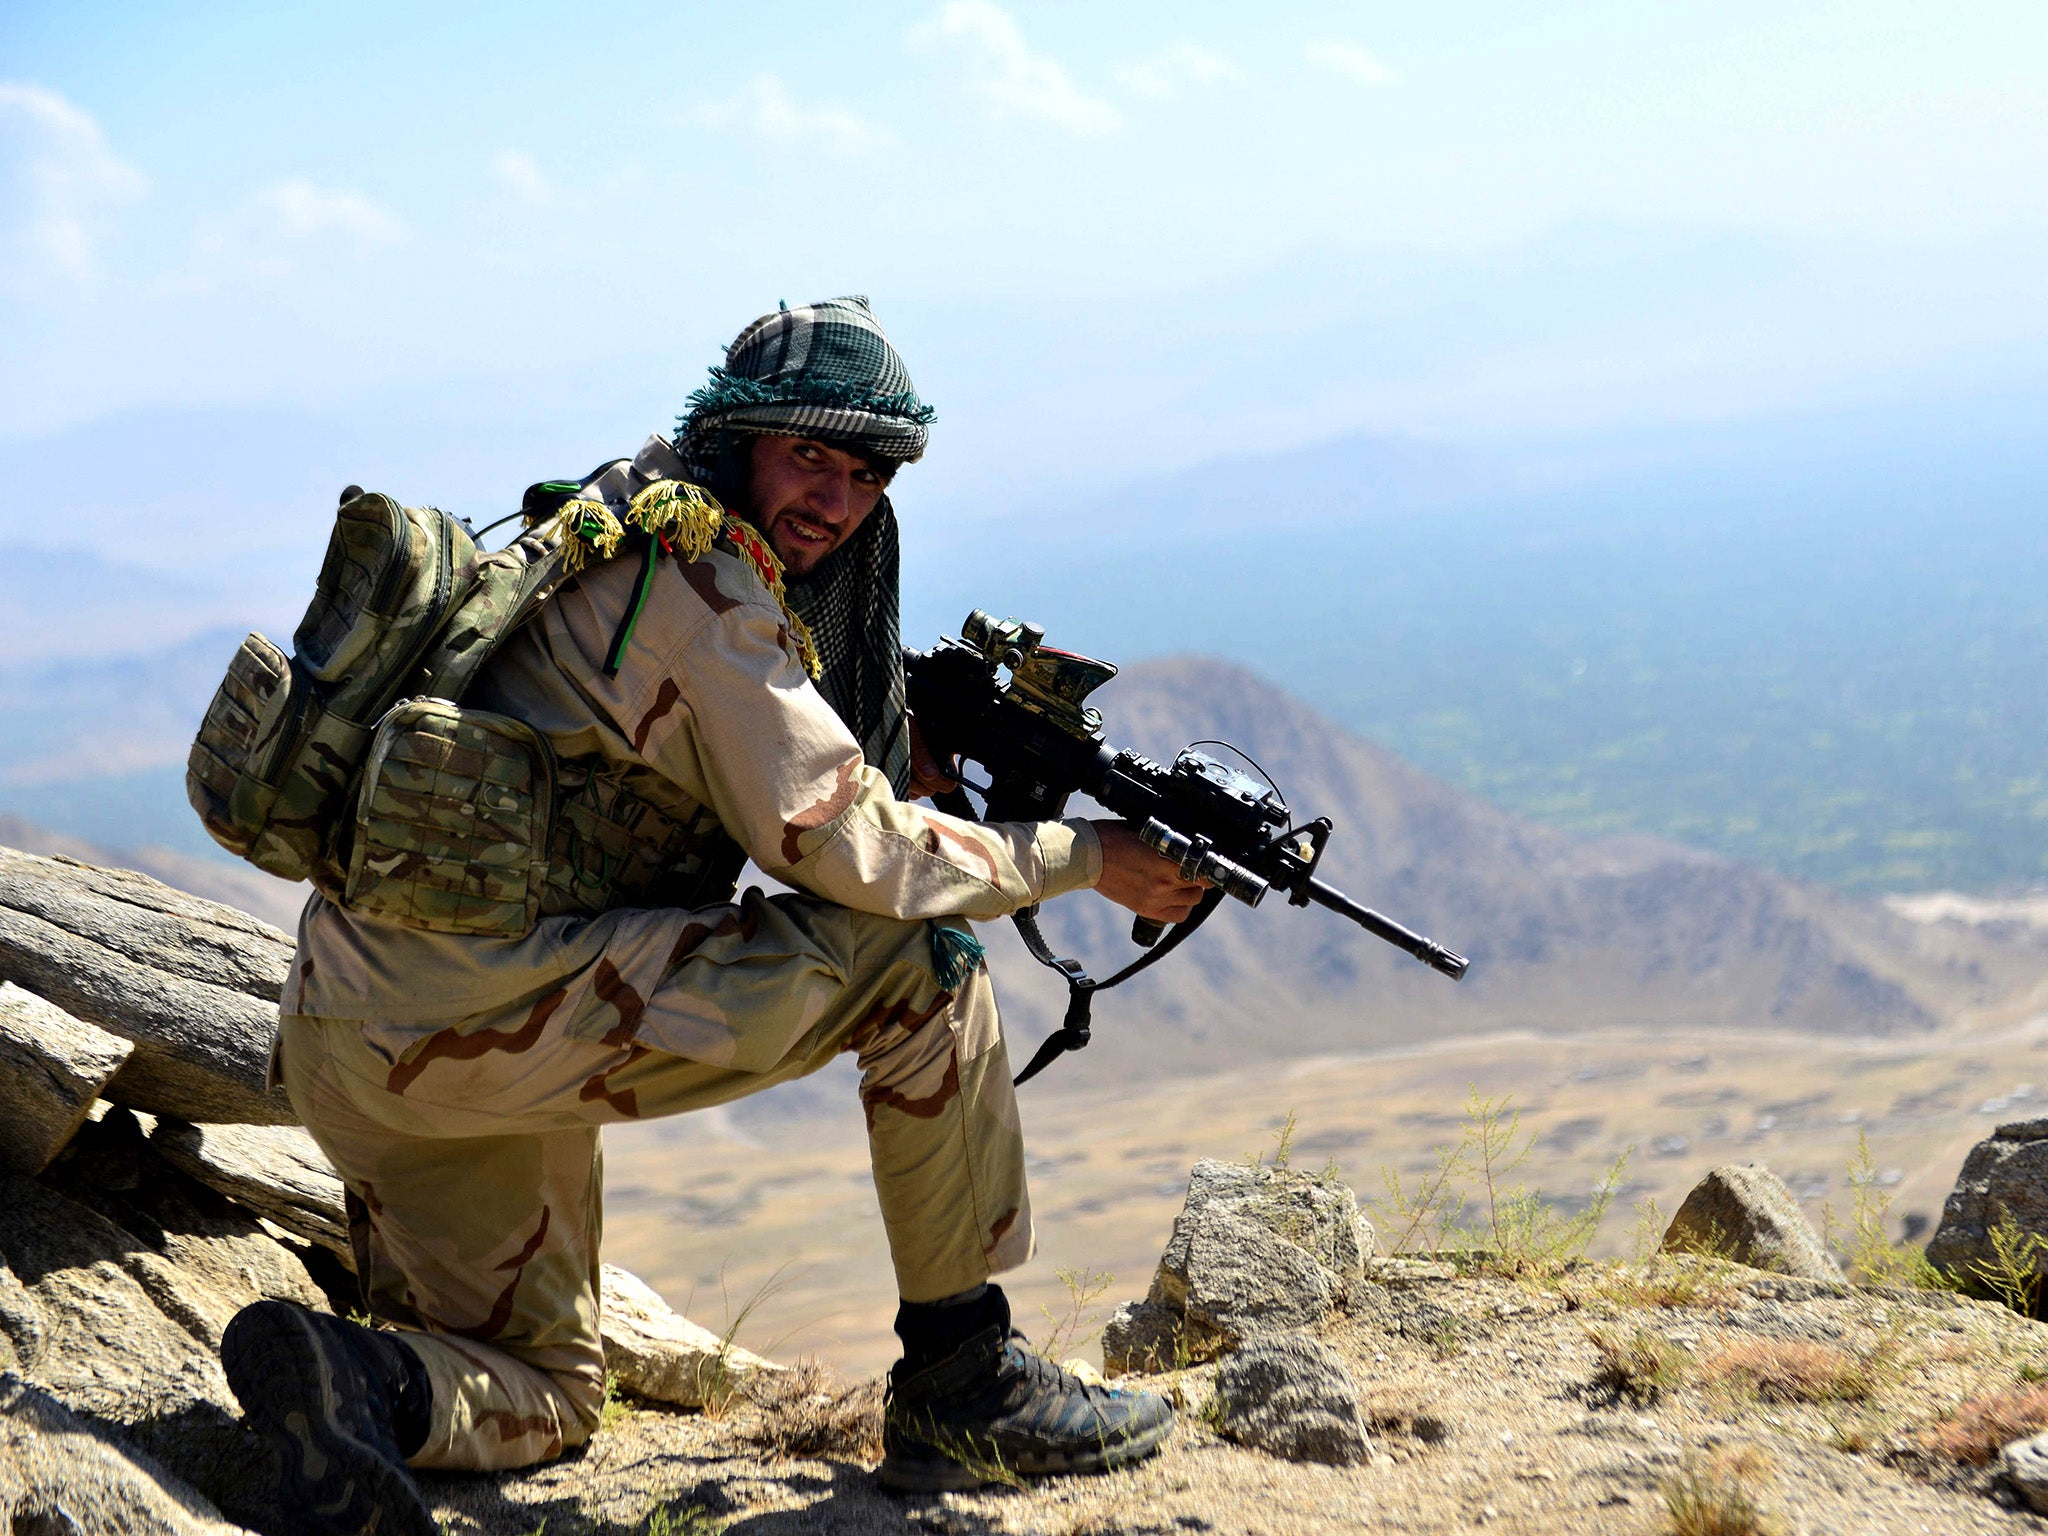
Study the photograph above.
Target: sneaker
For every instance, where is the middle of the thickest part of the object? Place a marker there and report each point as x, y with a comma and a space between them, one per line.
996, 1410
323, 1392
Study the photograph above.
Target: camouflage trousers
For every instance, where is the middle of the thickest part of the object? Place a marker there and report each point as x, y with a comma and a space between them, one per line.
473, 1165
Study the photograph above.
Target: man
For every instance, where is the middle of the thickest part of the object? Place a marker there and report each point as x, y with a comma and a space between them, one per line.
459, 1082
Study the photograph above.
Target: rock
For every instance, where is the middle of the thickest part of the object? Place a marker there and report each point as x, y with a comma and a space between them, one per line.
1230, 1278
659, 1354
2004, 1176
1254, 1249
192, 983
277, 1171
58, 1476
1142, 1338
1744, 1212
52, 1068
1292, 1396
2025, 1465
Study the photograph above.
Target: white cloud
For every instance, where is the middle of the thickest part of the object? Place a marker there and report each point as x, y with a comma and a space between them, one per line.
765, 106
58, 183
1010, 78
296, 211
1183, 64
520, 174
1352, 62
287, 227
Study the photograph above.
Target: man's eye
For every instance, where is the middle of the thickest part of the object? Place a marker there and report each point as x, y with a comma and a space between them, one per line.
810, 452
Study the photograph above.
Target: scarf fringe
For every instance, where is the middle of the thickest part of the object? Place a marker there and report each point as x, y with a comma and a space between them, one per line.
955, 957
688, 519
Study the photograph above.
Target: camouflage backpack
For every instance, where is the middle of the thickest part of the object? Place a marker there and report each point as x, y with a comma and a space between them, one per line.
405, 609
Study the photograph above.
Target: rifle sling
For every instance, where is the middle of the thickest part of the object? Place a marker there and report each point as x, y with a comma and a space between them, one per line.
1073, 1032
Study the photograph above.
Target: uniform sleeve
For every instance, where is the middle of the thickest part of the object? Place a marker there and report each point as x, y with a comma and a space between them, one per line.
758, 744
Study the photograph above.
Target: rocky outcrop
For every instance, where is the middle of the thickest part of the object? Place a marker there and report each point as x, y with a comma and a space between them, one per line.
1254, 1250
1292, 1396
657, 1353
276, 1171
193, 984
1744, 1212
52, 1069
2003, 1181
57, 1475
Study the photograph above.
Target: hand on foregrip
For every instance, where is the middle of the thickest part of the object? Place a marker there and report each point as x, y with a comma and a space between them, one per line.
1134, 876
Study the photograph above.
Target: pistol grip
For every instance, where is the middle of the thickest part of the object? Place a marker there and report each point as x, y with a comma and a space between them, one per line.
1145, 932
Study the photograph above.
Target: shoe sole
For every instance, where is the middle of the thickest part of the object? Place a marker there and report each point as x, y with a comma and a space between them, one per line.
330, 1481
901, 1473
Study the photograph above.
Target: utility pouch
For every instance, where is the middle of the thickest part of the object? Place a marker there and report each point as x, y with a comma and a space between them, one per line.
452, 819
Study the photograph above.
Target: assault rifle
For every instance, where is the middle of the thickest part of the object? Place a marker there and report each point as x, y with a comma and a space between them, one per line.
1040, 743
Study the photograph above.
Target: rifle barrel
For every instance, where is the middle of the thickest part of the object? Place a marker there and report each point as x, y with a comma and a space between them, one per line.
1428, 951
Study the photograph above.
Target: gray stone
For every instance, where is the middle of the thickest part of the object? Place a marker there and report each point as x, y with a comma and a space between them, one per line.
1142, 1338
52, 1069
1744, 1212
277, 1171
2025, 1465
58, 1474
1230, 1278
1253, 1250
659, 1354
192, 983
2005, 1175
1291, 1396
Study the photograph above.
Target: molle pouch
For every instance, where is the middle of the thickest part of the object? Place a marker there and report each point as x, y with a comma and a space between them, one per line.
452, 819
229, 775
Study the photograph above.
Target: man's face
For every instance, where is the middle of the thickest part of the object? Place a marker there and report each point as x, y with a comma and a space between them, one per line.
807, 497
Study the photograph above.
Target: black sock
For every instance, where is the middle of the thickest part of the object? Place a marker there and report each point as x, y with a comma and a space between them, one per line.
412, 1406
932, 1330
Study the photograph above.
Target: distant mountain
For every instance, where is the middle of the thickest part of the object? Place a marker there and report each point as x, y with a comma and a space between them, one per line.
1563, 932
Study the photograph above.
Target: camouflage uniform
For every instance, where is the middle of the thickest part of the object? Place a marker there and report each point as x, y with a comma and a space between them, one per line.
459, 1083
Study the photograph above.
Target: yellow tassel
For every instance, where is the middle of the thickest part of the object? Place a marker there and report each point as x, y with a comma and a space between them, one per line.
690, 518
687, 515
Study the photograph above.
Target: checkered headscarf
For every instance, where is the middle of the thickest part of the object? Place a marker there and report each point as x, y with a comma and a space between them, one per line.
827, 371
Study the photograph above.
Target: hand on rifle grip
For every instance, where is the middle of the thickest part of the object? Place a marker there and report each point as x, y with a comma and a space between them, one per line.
1145, 932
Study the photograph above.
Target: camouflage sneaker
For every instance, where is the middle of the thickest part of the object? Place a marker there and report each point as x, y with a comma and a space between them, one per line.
995, 1410
321, 1392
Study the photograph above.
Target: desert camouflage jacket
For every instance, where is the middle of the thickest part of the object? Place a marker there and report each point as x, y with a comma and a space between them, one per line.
711, 710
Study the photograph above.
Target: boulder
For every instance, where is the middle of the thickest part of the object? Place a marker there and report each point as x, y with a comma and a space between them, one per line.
2004, 1176
1291, 1396
659, 1354
52, 1070
1744, 1212
1254, 1250
1142, 1338
2025, 1465
58, 1475
277, 1171
193, 984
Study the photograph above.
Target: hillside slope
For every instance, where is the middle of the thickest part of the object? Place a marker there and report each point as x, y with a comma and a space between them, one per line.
1563, 932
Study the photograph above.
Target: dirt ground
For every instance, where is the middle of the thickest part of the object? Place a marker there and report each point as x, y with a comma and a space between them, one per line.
1491, 1409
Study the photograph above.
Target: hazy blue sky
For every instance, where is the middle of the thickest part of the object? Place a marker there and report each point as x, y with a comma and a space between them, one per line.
1111, 239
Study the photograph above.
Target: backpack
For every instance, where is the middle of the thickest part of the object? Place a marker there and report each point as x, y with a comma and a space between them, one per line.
406, 608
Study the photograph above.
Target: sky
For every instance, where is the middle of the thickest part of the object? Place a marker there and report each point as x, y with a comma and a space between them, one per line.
1113, 242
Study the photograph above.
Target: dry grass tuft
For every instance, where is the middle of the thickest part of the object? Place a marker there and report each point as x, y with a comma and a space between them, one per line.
1717, 1496
1799, 1371
1641, 1366
811, 1410
1978, 1429
1402, 1406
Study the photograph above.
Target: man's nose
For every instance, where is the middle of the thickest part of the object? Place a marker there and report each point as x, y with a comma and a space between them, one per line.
831, 498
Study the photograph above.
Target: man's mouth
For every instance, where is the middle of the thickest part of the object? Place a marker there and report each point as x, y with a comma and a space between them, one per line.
806, 535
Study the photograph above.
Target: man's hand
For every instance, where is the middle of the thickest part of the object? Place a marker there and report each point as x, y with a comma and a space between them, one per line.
1134, 876
928, 776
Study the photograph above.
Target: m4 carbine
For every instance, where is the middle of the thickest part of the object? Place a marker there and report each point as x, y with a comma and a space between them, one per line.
1040, 743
